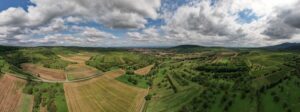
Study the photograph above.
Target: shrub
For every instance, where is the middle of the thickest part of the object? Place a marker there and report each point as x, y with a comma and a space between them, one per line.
148, 97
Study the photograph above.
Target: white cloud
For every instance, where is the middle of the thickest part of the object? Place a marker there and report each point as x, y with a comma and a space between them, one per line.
94, 33
112, 13
199, 22
51, 18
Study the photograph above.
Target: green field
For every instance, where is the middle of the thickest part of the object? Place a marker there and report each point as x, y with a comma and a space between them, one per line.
47, 95
134, 80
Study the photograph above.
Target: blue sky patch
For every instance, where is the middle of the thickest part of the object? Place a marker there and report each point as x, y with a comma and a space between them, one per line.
5, 4
247, 16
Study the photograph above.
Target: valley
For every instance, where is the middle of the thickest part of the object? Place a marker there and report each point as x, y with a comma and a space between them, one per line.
177, 79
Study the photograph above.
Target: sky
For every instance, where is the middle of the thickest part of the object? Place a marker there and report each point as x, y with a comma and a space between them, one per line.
142, 23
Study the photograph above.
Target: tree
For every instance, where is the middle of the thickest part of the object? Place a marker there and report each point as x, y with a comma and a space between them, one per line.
276, 99
52, 107
148, 97
129, 72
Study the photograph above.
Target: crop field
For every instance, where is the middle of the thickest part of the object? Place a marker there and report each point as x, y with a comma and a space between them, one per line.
46, 73
144, 71
104, 93
126, 60
26, 103
78, 69
79, 58
11, 94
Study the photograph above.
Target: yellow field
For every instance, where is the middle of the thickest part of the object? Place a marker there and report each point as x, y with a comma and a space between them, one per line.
79, 58
104, 94
144, 71
11, 93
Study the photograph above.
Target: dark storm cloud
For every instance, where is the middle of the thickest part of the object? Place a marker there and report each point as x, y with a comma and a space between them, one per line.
285, 25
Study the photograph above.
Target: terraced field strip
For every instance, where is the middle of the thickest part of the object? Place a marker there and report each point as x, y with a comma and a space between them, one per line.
78, 58
104, 94
11, 93
45, 73
144, 71
26, 103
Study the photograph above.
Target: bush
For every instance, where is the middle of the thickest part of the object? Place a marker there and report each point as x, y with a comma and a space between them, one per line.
148, 97
129, 72
132, 80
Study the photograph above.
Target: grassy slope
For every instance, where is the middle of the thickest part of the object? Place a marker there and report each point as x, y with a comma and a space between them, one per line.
141, 80
27, 100
165, 99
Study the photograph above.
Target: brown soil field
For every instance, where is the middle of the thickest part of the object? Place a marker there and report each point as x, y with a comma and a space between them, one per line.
11, 93
45, 73
80, 69
79, 58
104, 94
144, 71
76, 71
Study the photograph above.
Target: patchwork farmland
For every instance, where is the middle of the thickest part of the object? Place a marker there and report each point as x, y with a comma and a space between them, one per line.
63, 79
104, 93
78, 69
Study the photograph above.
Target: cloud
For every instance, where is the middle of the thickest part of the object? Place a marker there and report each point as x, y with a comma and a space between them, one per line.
147, 35
292, 16
111, 13
95, 33
219, 23
286, 24
277, 29
53, 18
204, 24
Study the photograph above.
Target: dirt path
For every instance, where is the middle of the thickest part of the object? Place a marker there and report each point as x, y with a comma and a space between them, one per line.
144, 71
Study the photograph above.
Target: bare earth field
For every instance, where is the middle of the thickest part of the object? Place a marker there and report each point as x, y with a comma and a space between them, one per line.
80, 69
104, 94
11, 93
144, 71
79, 58
46, 73
76, 71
